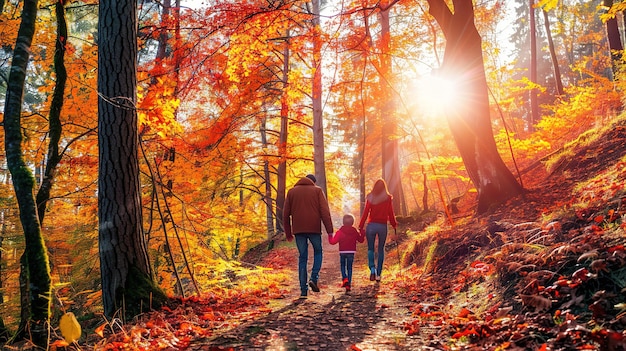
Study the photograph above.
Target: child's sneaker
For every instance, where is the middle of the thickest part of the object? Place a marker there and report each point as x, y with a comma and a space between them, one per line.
348, 288
345, 283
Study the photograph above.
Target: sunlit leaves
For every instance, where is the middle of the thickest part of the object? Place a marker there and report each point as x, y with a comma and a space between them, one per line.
70, 328
157, 107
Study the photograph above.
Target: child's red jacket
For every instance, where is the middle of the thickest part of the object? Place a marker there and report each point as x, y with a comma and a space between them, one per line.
347, 237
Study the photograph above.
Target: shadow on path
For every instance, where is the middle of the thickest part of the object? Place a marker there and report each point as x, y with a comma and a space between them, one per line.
339, 324
369, 318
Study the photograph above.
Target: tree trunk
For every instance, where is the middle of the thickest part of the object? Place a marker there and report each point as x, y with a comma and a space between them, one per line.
555, 62
615, 41
282, 142
318, 121
54, 118
269, 217
391, 163
534, 103
469, 118
124, 263
35, 255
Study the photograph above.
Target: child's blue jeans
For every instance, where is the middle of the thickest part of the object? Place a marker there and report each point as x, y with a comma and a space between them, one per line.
346, 260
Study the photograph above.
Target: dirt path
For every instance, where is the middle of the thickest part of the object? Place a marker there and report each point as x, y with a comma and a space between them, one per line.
370, 317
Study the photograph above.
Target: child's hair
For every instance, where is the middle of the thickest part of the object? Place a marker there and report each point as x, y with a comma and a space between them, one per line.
348, 219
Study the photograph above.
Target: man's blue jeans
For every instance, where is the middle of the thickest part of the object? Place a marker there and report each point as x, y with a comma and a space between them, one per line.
372, 230
302, 240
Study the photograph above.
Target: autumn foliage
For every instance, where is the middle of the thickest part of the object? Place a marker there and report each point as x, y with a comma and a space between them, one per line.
212, 82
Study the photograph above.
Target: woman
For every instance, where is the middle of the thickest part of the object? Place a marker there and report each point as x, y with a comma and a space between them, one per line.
379, 211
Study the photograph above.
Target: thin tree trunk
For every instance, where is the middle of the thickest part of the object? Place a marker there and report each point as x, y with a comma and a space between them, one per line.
555, 62
35, 257
282, 142
534, 104
269, 217
54, 118
318, 120
390, 160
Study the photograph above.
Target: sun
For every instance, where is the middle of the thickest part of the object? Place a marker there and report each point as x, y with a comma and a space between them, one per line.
434, 95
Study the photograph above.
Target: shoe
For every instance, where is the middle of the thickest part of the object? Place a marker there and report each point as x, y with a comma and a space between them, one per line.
314, 286
345, 283
372, 277
348, 288
303, 297
377, 278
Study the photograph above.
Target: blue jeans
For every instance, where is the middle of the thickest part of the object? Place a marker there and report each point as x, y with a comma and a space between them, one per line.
346, 260
302, 240
373, 230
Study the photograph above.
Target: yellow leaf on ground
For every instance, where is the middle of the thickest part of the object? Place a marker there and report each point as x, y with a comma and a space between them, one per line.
70, 328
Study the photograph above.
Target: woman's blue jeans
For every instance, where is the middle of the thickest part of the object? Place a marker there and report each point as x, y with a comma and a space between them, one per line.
302, 240
346, 260
373, 230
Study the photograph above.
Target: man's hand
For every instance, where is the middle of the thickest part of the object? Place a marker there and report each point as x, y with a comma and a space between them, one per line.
289, 237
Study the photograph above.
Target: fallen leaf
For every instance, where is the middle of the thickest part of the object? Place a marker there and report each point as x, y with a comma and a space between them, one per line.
70, 328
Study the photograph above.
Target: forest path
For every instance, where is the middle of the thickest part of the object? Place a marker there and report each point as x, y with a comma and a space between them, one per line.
370, 317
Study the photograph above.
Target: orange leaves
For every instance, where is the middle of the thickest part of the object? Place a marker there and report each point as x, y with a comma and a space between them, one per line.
157, 106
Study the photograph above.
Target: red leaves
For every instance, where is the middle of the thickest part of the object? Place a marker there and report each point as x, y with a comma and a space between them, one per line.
469, 332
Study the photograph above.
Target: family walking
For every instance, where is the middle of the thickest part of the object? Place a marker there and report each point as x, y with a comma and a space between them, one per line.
306, 209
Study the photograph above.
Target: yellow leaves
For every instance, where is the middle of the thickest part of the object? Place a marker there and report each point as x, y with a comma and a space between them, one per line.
612, 11
157, 107
547, 5
70, 328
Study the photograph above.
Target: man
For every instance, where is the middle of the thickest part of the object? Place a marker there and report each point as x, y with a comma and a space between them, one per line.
306, 208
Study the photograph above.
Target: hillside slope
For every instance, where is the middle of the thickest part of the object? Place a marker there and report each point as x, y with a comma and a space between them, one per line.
546, 271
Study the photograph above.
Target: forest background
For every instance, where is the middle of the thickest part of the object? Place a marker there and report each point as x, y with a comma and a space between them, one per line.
237, 101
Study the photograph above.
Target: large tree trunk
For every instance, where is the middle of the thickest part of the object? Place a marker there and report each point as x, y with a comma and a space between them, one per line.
318, 121
469, 119
124, 263
35, 257
390, 159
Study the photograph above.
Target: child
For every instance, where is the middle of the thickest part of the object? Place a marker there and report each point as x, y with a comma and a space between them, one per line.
346, 236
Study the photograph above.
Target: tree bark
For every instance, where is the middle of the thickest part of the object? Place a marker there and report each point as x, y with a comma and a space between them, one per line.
390, 160
35, 257
281, 183
555, 62
318, 120
468, 117
124, 264
615, 40
54, 117
534, 103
